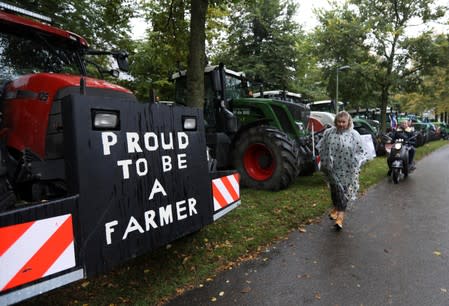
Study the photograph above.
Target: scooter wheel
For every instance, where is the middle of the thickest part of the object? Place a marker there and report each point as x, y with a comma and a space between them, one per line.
395, 175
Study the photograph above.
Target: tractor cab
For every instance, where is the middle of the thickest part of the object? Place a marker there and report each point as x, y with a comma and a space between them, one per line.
269, 145
40, 65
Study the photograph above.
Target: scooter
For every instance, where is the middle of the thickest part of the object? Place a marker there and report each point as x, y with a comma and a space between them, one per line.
398, 159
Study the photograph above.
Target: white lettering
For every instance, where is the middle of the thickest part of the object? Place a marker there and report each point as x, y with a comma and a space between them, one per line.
108, 139
133, 225
141, 171
125, 167
147, 137
192, 203
182, 162
132, 139
165, 215
169, 145
180, 209
166, 163
109, 230
149, 219
153, 219
157, 187
183, 140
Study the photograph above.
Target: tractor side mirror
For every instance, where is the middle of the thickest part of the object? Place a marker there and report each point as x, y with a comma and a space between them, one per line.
216, 81
122, 60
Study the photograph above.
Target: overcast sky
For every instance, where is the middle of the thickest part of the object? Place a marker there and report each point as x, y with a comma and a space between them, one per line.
305, 16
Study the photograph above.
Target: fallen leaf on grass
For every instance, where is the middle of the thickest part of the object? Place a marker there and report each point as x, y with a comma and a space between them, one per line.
186, 259
246, 290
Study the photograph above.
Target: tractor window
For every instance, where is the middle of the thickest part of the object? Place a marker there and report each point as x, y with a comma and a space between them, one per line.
234, 87
20, 54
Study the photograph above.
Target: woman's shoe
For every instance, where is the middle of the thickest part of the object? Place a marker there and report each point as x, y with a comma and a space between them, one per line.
333, 214
339, 220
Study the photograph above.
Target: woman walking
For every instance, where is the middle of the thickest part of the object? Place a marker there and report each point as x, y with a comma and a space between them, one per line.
342, 154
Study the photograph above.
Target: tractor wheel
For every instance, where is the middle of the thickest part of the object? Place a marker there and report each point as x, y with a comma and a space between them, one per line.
266, 158
395, 175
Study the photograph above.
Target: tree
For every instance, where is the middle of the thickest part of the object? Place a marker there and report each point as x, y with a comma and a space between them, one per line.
387, 21
104, 23
163, 51
166, 47
426, 87
197, 56
261, 42
339, 40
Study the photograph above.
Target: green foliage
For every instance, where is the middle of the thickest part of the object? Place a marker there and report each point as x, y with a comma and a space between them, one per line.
340, 40
261, 42
371, 37
165, 48
104, 23
426, 85
163, 51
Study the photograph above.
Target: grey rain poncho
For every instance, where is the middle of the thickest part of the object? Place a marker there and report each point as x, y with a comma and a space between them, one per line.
342, 154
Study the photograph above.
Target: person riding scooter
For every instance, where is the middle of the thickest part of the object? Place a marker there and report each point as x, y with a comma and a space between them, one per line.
405, 132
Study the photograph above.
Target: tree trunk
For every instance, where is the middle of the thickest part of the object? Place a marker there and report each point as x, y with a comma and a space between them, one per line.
197, 49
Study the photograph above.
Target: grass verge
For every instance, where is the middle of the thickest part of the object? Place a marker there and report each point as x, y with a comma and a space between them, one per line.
263, 218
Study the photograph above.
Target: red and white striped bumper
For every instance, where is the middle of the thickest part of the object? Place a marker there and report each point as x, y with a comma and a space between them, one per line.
32, 250
226, 194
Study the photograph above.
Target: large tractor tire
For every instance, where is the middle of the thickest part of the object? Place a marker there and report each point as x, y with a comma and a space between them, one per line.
266, 158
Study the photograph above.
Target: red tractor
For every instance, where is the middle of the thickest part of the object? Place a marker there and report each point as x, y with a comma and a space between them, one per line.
39, 65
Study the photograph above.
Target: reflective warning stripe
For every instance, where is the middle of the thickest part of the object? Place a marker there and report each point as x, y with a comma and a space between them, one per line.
44, 247
225, 190
10, 234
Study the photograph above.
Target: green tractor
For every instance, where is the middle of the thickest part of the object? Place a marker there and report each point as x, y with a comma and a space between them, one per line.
264, 139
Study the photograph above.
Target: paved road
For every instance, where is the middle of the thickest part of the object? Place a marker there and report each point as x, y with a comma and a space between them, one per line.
394, 250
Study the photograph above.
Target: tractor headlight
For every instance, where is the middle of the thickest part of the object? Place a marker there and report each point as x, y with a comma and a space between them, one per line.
189, 123
105, 120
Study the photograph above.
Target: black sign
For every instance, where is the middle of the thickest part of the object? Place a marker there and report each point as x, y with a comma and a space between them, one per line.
141, 184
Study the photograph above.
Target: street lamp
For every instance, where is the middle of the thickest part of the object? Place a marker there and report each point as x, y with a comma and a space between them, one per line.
336, 89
